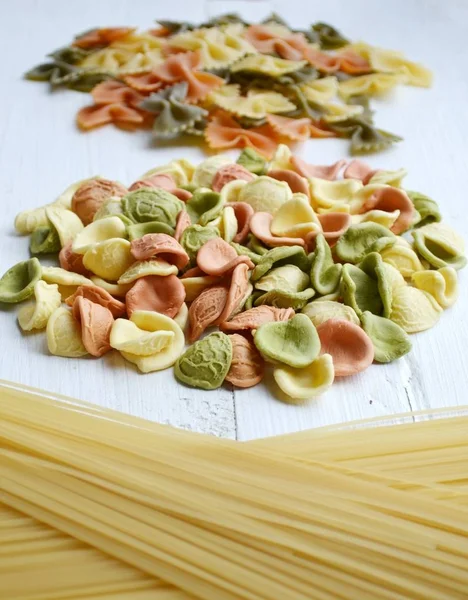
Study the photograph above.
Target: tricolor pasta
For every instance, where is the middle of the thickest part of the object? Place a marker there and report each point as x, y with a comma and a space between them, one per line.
233, 83
312, 271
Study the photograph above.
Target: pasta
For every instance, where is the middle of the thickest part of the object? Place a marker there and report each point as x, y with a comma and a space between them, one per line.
241, 246
173, 78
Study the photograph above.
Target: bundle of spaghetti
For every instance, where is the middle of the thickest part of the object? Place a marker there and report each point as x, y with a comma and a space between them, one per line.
221, 520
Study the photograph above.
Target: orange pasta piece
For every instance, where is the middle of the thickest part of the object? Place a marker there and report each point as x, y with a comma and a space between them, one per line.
71, 261
390, 199
217, 257
162, 246
98, 296
354, 64
184, 67
243, 212
101, 37
115, 92
206, 309
237, 291
297, 130
230, 173
329, 172
121, 115
254, 317
290, 47
96, 323
296, 182
224, 132
247, 365
325, 63
358, 169
163, 294
183, 221
351, 348
146, 83
334, 225
320, 130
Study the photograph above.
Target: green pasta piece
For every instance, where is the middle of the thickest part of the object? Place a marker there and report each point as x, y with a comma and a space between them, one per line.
244, 251
360, 291
256, 245
325, 275
48, 71
70, 55
287, 278
174, 115
195, 236
140, 229
44, 240
365, 138
17, 284
206, 363
359, 240
372, 265
204, 206
252, 161
176, 26
426, 208
295, 342
283, 255
285, 299
151, 204
252, 299
329, 38
389, 339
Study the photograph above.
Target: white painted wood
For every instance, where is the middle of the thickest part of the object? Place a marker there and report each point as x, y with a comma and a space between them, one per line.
41, 152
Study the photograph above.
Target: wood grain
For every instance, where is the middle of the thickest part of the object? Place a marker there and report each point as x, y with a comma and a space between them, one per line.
41, 152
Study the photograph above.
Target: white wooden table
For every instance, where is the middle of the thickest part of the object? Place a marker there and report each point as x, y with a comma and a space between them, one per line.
41, 152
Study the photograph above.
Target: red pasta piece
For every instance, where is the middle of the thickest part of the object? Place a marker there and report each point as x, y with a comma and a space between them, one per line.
71, 261
146, 83
351, 348
98, 296
183, 221
326, 63
297, 130
206, 309
237, 291
290, 47
217, 257
260, 226
254, 317
296, 183
101, 37
358, 169
115, 92
389, 199
94, 116
334, 225
163, 294
354, 64
183, 67
224, 132
243, 212
247, 365
329, 172
96, 324
162, 246
230, 173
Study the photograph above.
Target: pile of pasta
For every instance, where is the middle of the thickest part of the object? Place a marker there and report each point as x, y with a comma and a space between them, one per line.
99, 504
235, 84
302, 268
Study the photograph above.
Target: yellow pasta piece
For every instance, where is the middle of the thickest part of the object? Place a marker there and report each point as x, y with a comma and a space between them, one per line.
166, 357
340, 112
181, 317
64, 334
34, 315
308, 382
226, 223
334, 195
257, 104
139, 42
181, 170
295, 218
393, 178
109, 259
231, 191
127, 337
393, 277
143, 268
265, 194
402, 256
321, 91
206, 170
66, 222
267, 65
414, 310
114, 289
321, 311
375, 84
392, 61
219, 47
98, 231
282, 158
62, 277
441, 284
387, 219
194, 286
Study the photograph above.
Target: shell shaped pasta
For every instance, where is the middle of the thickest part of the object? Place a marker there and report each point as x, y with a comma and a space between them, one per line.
67, 224
414, 310
35, 315
64, 334
126, 336
257, 104
109, 259
441, 284
295, 218
143, 268
321, 311
98, 231
265, 194
308, 382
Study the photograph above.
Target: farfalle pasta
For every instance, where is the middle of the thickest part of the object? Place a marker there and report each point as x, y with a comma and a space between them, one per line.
276, 84
309, 271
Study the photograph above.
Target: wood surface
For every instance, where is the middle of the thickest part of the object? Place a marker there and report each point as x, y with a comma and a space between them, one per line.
41, 152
